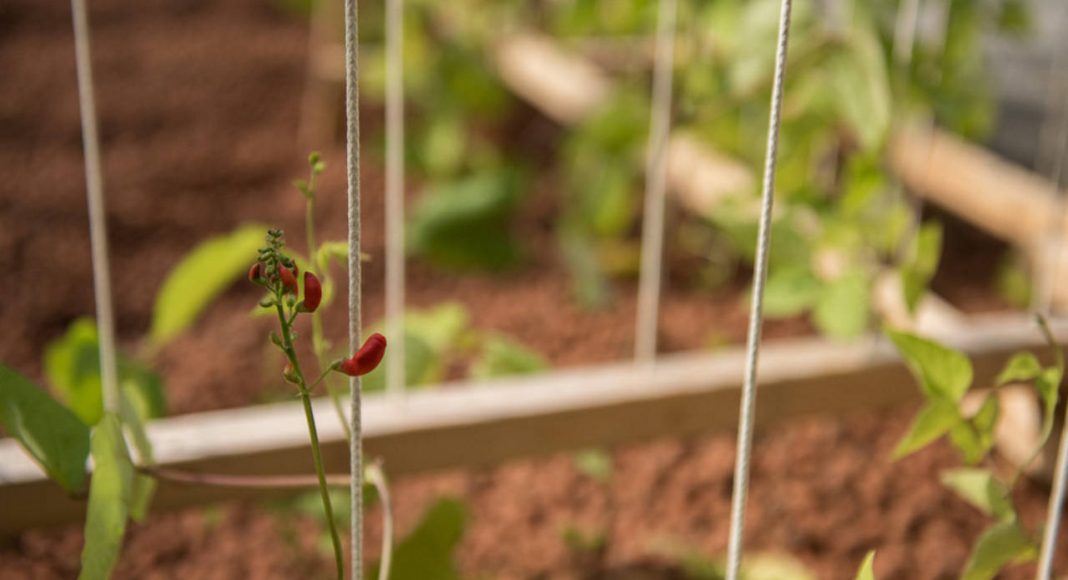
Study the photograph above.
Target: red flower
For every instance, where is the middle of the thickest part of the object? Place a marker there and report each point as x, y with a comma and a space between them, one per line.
255, 273
367, 358
313, 292
289, 279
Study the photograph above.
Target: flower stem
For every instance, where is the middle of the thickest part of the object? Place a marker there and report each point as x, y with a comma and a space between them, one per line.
318, 339
313, 434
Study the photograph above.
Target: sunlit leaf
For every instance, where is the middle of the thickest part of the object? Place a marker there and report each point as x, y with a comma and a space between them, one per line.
72, 365
1001, 544
109, 500
980, 488
843, 309
50, 432
200, 277
942, 372
1023, 367
934, 420
867, 567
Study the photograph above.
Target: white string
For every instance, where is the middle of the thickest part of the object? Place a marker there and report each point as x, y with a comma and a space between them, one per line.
352, 140
1053, 140
905, 31
1057, 93
655, 183
395, 379
98, 233
748, 403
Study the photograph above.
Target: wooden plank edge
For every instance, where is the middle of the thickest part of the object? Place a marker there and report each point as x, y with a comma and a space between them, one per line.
463, 425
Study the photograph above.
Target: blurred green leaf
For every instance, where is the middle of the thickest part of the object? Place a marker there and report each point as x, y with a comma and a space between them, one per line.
933, 421
867, 567
1001, 544
428, 553
47, 430
1023, 367
72, 365
109, 500
791, 291
925, 253
942, 372
503, 356
843, 309
858, 78
595, 464
200, 277
980, 488
467, 224
974, 438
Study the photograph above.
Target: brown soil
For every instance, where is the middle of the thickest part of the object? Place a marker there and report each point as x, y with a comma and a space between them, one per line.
199, 108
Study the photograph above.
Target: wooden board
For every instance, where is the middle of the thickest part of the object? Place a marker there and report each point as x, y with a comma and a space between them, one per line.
472, 425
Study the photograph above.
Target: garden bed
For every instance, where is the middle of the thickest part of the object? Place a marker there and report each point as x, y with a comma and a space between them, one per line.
199, 108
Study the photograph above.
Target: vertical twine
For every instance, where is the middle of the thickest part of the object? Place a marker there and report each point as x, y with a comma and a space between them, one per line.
748, 403
395, 379
352, 140
98, 233
655, 184
1057, 91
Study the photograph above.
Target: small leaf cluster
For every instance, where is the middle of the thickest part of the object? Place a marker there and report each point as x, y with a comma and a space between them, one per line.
945, 377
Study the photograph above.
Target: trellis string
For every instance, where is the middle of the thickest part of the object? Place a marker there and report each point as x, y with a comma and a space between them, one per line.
748, 402
98, 233
1057, 93
352, 149
655, 183
395, 371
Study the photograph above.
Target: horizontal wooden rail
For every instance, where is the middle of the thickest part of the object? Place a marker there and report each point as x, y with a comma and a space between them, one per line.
481, 424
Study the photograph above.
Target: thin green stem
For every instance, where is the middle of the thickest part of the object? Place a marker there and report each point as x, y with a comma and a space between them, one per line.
313, 434
318, 339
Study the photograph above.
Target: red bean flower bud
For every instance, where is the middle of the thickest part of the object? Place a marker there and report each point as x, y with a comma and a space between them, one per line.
289, 279
367, 358
313, 292
255, 273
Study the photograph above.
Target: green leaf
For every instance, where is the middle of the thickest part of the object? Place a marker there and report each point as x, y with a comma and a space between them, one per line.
428, 552
974, 438
466, 224
1024, 367
926, 251
502, 356
942, 372
72, 366
422, 366
47, 430
336, 250
843, 309
595, 464
1001, 544
200, 277
980, 488
1048, 385
790, 291
867, 567
858, 77
934, 420
109, 500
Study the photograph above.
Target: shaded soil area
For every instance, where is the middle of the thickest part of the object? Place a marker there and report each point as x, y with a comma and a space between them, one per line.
199, 108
